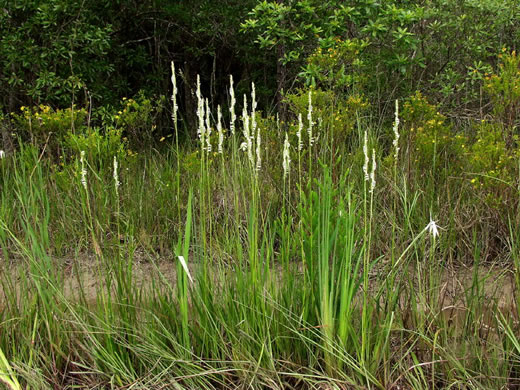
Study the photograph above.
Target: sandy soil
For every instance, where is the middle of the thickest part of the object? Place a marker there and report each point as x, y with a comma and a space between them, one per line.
495, 283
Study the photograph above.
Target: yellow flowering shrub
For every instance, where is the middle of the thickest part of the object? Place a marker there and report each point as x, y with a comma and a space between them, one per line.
503, 88
137, 119
492, 165
44, 126
494, 155
429, 138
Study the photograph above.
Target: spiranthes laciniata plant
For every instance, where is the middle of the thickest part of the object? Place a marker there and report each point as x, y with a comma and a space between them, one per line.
396, 131
219, 130
299, 132
309, 119
232, 105
245, 126
258, 150
174, 95
255, 131
116, 176
253, 110
83, 170
208, 128
200, 114
286, 156
365, 153
247, 145
373, 172
2, 154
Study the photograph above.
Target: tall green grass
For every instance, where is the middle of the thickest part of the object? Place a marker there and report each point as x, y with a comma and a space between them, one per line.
225, 276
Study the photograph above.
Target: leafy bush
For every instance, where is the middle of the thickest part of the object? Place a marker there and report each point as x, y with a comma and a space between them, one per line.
503, 89
494, 154
137, 119
494, 163
431, 142
99, 146
336, 65
46, 128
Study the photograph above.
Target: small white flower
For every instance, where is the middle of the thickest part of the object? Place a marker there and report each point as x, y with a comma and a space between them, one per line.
432, 228
2, 154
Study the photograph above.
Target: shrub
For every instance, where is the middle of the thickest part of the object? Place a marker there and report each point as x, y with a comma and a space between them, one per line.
46, 128
432, 144
503, 89
494, 163
336, 65
138, 119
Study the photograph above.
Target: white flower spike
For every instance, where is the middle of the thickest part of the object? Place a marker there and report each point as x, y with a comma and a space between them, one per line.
232, 105
174, 95
286, 157
220, 131
258, 150
117, 183
309, 119
208, 128
373, 172
200, 115
365, 153
2, 154
299, 133
396, 131
83, 170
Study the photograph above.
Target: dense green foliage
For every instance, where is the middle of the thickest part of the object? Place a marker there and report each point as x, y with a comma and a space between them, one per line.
60, 52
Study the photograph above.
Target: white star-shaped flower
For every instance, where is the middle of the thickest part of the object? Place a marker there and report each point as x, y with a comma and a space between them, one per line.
432, 228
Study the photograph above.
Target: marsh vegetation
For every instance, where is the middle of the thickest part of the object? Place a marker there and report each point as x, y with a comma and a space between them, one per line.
356, 229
